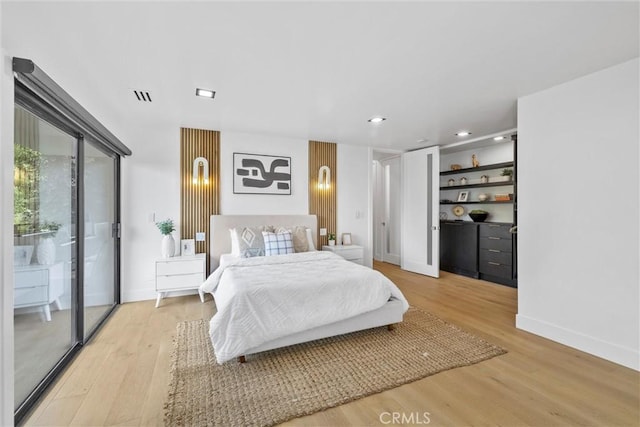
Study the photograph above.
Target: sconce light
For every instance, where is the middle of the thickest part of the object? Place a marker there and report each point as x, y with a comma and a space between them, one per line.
324, 178
200, 161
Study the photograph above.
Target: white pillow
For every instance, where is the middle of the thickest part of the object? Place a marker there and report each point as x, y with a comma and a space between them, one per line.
235, 245
310, 239
278, 243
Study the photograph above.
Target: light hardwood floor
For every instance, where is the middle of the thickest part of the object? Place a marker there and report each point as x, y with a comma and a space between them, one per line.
121, 377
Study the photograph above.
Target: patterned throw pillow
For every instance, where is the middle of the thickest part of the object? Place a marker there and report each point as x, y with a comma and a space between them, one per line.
299, 235
249, 241
277, 243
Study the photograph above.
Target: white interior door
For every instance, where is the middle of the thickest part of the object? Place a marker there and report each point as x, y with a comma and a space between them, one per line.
392, 199
420, 217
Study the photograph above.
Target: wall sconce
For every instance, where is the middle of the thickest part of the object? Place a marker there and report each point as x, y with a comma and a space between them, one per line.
200, 161
324, 178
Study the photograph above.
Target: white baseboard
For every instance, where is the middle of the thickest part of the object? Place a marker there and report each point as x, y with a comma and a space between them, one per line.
624, 356
150, 294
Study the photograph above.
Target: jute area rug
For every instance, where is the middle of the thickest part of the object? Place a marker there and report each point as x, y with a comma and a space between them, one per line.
278, 385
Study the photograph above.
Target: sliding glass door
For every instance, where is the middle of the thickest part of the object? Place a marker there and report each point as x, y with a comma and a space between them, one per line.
66, 230
45, 212
99, 235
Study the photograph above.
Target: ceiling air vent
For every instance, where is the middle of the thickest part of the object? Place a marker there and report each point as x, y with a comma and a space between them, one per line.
142, 95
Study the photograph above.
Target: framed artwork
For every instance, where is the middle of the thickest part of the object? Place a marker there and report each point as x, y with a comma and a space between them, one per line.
261, 174
346, 239
187, 247
463, 196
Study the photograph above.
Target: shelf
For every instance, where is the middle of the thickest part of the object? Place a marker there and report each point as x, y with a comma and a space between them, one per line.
488, 184
479, 168
487, 202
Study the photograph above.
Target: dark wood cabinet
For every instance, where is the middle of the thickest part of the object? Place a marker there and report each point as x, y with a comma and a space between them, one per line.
496, 253
459, 247
479, 250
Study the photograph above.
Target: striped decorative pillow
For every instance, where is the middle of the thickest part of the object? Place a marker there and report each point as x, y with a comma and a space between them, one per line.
277, 243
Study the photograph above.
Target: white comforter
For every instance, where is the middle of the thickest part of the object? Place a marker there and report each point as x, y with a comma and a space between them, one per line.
264, 298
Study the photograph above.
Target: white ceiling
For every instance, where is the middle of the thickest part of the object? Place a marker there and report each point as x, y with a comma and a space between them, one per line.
319, 70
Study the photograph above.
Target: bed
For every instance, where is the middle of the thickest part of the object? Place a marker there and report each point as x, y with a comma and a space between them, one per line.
268, 302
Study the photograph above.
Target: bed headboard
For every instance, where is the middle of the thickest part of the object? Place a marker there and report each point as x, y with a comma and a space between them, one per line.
220, 225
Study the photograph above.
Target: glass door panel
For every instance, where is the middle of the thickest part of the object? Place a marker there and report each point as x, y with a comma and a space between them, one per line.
99, 243
44, 254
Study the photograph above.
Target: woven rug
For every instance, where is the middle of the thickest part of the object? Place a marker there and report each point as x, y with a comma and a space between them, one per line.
278, 385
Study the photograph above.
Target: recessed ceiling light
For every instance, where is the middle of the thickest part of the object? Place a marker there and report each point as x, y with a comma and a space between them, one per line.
422, 141
377, 119
498, 138
463, 133
205, 93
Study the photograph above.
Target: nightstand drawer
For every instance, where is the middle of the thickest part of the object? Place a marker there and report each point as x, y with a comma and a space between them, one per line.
494, 255
179, 267
29, 279
36, 295
350, 254
181, 281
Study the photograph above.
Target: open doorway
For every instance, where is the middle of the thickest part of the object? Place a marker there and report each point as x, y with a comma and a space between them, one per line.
387, 204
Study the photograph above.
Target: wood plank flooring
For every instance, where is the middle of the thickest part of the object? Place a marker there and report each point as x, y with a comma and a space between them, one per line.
121, 377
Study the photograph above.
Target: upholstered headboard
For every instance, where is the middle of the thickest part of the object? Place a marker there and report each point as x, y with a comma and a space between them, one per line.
220, 225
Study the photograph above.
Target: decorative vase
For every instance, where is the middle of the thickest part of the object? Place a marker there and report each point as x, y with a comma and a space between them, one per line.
332, 242
168, 246
46, 253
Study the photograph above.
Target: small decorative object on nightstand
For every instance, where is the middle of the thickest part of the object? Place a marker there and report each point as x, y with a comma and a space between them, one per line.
178, 274
353, 253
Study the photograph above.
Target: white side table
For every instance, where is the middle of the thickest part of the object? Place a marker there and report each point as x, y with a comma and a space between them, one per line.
353, 253
180, 273
38, 285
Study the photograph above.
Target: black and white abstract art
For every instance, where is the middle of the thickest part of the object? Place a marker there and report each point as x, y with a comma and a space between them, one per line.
261, 174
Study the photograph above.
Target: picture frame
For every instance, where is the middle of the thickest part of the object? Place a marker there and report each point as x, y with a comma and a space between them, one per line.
261, 174
346, 239
463, 196
187, 247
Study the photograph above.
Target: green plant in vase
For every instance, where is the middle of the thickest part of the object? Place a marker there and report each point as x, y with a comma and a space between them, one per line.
166, 227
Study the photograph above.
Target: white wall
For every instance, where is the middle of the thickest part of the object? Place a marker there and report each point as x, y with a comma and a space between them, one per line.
578, 214
297, 149
6, 250
150, 189
354, 196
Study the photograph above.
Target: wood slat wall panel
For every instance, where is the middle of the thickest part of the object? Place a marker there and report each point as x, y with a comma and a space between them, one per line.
198, 202
322, 202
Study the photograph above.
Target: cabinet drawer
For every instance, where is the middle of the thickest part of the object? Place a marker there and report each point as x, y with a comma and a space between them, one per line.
497, 243
182, 281
495, 230
29, 279
496, 269
165, 268
494, 255
27, 296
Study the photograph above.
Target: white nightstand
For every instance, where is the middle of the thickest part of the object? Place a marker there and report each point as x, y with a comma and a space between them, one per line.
353, 253
179, 273
38, 285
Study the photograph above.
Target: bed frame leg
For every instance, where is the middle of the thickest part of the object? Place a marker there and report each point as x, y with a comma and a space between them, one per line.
241, 359
391, 327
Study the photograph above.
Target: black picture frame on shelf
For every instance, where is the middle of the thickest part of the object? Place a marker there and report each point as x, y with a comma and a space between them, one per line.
463, 196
